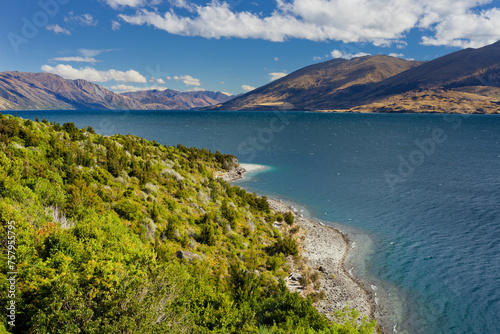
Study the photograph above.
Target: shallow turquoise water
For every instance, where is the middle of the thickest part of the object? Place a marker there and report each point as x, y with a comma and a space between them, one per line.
422, 190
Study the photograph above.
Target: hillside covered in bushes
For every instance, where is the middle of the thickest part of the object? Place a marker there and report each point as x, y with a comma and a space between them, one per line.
123, 235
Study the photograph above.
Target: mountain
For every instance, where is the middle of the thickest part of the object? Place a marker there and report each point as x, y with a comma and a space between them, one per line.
45, 91
29, 91
174, 100
466, 81
320, 84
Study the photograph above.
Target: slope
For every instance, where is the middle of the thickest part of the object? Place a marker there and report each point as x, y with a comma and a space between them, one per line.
320, 84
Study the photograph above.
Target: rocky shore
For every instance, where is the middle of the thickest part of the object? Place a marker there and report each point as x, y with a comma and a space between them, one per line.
325, 250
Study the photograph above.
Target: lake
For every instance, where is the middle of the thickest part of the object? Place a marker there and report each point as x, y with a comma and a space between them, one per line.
419, 195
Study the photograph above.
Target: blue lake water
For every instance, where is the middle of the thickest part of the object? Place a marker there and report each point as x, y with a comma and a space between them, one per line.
420, 195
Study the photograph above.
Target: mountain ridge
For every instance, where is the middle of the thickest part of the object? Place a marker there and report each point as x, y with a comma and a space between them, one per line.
466, 81
302, 89
170, 99
46, 91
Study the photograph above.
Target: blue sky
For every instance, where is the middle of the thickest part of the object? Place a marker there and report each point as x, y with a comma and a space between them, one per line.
230, 46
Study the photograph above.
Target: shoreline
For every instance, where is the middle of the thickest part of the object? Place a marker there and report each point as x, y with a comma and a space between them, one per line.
326, 250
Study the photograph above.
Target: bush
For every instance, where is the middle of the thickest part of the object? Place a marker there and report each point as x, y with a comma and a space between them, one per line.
129, 210
289, 218
207, 234
286, 245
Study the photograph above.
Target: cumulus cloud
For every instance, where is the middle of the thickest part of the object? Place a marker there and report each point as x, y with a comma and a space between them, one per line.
316, 58
397, 55
93, 75
247, 88
277, 75
128, 88
158, 81
467, 29
58, 29
188, 80
345, 55
77, 59
84, 19
381, 22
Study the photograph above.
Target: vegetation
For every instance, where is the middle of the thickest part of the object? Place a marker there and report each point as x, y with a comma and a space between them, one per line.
100, 222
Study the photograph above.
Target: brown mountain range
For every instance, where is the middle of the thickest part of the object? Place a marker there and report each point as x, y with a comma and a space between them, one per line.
32, 91
174, 100
320, 84
466, 81
44, 91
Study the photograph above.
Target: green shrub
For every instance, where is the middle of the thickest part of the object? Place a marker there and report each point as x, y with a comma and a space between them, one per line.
289, 218
129, 210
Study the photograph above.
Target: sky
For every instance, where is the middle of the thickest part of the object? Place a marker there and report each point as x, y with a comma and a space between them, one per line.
230, 46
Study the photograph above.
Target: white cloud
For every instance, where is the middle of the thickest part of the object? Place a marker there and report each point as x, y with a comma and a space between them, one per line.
276, 59
467, 29
381, 22
182, 4
397, 55
93, 75
158, 81
247, 88
57, 29
127, 88
115, 25
316, 58
84, 19
77, 59
115, 4
188, 80
277, 75
93, 53
196, 89
227, 94
345, 55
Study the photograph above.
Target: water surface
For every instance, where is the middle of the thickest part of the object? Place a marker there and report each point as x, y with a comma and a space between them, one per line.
420, 193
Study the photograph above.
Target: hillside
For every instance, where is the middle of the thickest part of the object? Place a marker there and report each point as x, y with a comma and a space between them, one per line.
320, 84
170, 99
45, 91
122, 235
465, 81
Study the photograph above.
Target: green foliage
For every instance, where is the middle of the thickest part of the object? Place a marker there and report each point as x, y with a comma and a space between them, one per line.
289, 218
207, 234
99, 221
286, 245
130, 210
